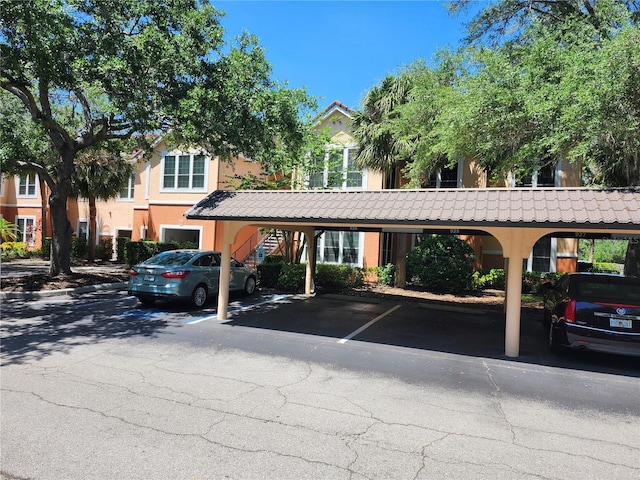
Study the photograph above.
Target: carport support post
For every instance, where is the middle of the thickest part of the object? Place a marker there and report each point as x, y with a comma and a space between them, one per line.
513, 300
225, 269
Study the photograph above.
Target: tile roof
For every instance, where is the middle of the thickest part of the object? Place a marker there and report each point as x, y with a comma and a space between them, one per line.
544, 207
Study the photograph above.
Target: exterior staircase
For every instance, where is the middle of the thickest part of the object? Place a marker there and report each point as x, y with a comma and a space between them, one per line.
253, 251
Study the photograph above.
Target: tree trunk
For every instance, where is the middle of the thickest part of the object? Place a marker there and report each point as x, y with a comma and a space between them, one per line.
43, 207
632, 258
401, 260
60, 236
60, 226
92, 229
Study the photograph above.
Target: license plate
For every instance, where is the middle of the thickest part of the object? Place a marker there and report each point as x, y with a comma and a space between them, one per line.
619, 323
149, 278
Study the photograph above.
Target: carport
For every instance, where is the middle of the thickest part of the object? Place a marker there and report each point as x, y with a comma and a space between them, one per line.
517, 218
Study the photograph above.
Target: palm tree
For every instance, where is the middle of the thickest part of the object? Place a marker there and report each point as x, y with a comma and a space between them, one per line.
379, 149
99, 174
7, 230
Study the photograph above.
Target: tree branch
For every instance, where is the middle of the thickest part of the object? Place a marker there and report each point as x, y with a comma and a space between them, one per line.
86, 108
40, 170
42, 116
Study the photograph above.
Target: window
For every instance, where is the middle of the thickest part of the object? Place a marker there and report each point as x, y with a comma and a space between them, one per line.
27, 185
316, 173
127, 192
444, 177
544, 176
83, 229
26, 230
543, 256
336, 170
340, 247
183, 172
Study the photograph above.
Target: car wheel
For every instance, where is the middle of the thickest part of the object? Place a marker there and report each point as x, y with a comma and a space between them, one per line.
199, 296
554, 345
250, 285
147, 301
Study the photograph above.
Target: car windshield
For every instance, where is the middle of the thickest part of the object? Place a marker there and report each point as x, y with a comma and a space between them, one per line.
610, 289
170, 258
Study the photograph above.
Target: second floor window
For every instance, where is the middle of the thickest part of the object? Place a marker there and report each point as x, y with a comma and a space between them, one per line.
183, 172
27, 185
444, 177
127, 192
336, 170
542, 176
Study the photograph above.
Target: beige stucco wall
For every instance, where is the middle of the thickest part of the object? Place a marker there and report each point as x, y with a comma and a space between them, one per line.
472, 175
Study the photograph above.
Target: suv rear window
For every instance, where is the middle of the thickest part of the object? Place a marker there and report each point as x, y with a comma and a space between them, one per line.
622, 289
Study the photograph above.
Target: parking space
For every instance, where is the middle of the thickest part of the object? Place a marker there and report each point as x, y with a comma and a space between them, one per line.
476, 331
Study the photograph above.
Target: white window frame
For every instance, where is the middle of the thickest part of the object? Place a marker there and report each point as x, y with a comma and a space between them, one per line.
553, 257
189, 188
344, 185
130, 189
23, 235
28, 181
164, 227
320, 244
82, 221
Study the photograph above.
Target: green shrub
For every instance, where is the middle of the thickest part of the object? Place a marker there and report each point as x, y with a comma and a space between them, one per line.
79, 248
121, 243
136, 252
139, 251
104, 249
386, 274
270, 259
292, 277
268, 274
14, 250
603, 267
45, 251
441, 263
493, 278
332, 278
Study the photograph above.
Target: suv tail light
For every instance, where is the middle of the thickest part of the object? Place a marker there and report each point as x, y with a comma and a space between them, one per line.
570, 312
176, 274
133, 272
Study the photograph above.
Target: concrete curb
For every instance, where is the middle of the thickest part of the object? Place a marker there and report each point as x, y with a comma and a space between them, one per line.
63, 292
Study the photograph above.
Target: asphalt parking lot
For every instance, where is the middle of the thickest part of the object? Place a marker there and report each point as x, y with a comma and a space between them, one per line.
97, 386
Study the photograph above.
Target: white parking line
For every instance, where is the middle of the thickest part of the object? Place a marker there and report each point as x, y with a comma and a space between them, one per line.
367, 325
271, 299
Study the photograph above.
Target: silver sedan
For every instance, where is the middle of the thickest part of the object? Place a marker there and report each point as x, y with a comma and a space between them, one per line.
191, 275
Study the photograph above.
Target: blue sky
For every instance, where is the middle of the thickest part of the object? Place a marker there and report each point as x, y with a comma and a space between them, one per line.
340, 49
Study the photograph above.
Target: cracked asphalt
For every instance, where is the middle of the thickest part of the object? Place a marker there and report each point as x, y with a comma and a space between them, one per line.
93, 387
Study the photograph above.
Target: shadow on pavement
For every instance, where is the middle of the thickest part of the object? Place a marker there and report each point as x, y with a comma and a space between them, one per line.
37, 330
477, 331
